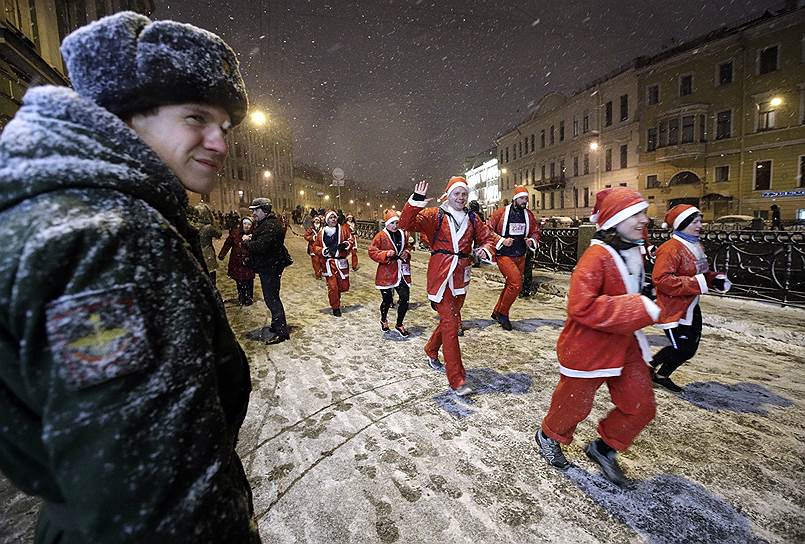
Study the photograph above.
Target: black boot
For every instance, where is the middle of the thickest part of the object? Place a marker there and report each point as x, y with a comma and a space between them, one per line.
606, 458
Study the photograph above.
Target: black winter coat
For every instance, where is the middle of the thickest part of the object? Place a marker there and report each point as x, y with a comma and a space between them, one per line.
267, 247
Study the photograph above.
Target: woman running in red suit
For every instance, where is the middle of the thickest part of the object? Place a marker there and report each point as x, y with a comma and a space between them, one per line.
333, 244
310, 235
601, 342
391, 249
451, 230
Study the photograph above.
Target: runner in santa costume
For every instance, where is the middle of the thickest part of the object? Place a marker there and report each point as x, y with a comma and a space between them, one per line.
333, 244
519, 233
391, 249
350, 220
601, 341
310, 235
681, 275
451, 230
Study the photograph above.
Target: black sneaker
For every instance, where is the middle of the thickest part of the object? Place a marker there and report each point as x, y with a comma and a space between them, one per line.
551, 450
666, 382
435, 364
384, 326
608, 463
495, 316
337, 312
402, 331
505, 324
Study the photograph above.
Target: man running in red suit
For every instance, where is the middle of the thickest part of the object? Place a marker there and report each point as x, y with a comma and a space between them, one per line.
601, 341
519, 233
451, 230
333, 244
391, 249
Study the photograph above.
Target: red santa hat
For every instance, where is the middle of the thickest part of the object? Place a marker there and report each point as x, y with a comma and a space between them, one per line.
391, 216
518, 192
615, 205
329, 213
454, 183
678, 215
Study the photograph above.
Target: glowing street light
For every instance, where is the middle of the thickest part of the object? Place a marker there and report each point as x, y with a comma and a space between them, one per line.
326, 197
776, 101
368, 204
301, 192
267, 174
593, 146
258, 118
351, 201
503, 171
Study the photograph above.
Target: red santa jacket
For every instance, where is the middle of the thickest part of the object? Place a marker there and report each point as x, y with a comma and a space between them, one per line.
680, 275
337, 262
451, 247
605, 313
238, 268
499, 221
310, 236
390, 270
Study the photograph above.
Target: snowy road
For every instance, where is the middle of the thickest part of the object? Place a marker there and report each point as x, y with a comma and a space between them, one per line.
351, 438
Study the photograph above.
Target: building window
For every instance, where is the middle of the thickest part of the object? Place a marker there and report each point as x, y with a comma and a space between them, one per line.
801, 177
561, 131
624, 155
585, 125
575, 197
767, 60
688, 122
663, 141
542, 198
762, 175
552, 136
702, 128
624, 107
553, 201
586, 163
673, 131
542, 177
722, 173
532, 143
561, 199
586, 197
562, 168
575, 126
553, 170
575, 166
724, 73
653, 94
542, 138
765, 116
723, 124
608, 114
685, 85
608, 160
507, 154
652, 181
520, 152
651, 139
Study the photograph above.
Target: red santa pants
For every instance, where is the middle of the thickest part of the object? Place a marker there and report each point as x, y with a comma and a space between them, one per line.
512, 269
446, 337
335, 286
631, 393
318, 265
355, 264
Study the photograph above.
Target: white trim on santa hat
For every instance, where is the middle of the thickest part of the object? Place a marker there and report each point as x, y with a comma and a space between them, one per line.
453, 186
624, 214
331, 212
682, 216
392, 220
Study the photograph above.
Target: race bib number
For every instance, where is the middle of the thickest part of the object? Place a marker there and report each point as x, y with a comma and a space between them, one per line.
343, 264
406, 269
517, 229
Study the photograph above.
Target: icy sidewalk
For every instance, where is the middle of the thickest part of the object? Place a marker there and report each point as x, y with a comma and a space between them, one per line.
351, 438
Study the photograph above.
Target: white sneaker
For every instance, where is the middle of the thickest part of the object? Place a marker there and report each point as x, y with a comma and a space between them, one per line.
463, 390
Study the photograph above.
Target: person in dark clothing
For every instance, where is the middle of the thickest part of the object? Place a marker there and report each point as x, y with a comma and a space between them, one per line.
268, 256
474, 206
776, 218
123, 385
238, 268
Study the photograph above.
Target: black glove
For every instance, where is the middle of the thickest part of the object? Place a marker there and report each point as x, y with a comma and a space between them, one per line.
649, 291
343, 246
718, 284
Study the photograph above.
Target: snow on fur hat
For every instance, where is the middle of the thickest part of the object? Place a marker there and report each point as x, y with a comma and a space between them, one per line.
126, 64
680, 216
615, 205
518, 192
329, 213
454, 183
391, 216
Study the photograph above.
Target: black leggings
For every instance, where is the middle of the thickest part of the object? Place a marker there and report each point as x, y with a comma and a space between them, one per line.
684, 343
402, 306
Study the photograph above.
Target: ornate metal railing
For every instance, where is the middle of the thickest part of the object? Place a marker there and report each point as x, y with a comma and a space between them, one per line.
557, 249
367, 229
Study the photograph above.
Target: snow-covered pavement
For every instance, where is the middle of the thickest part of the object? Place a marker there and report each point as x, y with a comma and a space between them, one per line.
350, 436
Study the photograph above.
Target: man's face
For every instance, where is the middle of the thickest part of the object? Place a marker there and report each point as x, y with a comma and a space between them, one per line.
392, 226
632, 228
259, 214
332, 220
521, 202
457, 198
189, 138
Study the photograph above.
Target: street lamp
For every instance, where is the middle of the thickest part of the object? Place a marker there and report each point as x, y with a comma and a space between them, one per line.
301, 192
776, 101
267, 174
258, 118
326, 197
593, 146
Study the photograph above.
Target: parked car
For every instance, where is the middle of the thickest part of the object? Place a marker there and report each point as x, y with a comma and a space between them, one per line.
736, 222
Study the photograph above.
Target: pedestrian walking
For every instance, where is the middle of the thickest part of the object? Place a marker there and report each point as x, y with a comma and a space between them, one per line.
269, 257
310, 235
681, 275
123, 386
391, 249
238, 268
451, 230
519, 232
776, 218
601, 342
350, 222
208, 230
333, 244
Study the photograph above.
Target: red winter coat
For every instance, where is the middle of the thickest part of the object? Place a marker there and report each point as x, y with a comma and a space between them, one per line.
338, 261
499, 220
680, 277
605, 313
310, 236
238, 268
390, 270
446, 270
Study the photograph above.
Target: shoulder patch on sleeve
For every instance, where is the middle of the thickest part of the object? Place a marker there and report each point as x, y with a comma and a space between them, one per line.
97, 336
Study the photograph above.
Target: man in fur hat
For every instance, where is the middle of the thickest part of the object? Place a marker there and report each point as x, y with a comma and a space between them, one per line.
124, 387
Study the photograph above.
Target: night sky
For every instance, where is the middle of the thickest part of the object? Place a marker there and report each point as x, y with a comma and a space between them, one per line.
391, 90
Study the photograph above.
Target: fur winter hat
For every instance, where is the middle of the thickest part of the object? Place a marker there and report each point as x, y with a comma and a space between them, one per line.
262, 203
518, 192
126, 64
615, 205
680, 216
